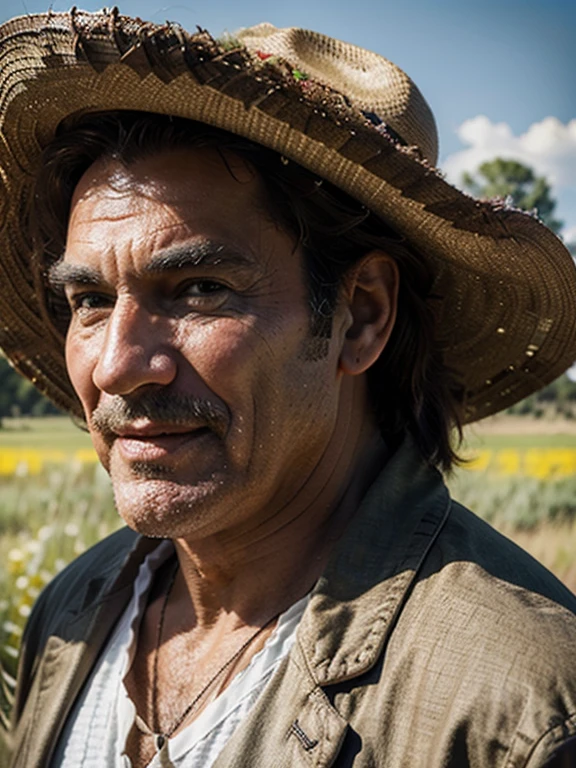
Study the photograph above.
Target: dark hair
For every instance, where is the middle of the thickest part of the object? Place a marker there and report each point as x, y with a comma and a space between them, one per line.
411, 389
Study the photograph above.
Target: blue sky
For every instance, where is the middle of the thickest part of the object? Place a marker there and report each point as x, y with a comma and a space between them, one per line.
493, 71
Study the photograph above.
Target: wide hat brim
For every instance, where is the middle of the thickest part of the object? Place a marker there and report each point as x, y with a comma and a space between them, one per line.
504, 288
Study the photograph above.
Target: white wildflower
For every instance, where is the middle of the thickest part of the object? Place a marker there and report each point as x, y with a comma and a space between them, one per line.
33, 546
45, 532
45, 576
22, 582
71, 529
11, 628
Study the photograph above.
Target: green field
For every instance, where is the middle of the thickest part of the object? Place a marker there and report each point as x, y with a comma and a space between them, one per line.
474, 440
48, 432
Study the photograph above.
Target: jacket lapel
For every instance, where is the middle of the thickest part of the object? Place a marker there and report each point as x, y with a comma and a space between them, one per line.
357, 600
69, 656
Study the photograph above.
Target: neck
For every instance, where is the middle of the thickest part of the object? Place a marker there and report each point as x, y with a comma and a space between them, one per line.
247, 575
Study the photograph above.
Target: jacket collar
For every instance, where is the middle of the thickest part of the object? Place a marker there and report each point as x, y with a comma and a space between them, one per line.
117, 574
355, 603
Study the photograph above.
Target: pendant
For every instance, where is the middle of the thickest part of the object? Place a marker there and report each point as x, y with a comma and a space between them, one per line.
161, 742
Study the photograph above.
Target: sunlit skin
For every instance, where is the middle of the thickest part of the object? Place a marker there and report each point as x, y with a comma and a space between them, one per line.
180, 283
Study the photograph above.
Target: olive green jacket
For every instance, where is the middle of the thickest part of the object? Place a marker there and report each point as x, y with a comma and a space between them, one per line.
430, 641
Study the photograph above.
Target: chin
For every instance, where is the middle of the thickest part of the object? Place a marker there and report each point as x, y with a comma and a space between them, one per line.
162, 508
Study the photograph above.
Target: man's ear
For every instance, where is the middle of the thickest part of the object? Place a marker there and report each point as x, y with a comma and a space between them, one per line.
371, 295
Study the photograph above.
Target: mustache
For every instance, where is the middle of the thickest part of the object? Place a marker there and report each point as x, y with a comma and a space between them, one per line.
174, 409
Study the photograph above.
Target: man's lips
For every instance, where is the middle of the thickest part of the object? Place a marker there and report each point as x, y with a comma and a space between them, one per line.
153, 442
148, 429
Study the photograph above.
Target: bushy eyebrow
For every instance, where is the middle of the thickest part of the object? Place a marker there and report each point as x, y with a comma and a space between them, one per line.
62, 273
205, 253
181, 256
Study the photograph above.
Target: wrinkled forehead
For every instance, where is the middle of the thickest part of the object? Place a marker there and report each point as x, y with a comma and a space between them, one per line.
167, 196
174, 176
174, 210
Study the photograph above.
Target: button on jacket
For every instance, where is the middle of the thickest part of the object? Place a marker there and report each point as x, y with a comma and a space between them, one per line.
429, 642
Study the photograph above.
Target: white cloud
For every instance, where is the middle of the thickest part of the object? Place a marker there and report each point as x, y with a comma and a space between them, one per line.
570, 234
549, 147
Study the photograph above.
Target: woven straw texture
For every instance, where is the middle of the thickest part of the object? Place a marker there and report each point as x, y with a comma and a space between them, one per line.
505, 286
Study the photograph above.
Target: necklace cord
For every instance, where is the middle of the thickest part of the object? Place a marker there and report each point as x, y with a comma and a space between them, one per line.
161, 736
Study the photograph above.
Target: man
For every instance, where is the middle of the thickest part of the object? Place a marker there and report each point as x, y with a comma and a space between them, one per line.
236, 263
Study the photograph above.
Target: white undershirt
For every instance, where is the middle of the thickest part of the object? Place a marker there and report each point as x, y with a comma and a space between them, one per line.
95, 733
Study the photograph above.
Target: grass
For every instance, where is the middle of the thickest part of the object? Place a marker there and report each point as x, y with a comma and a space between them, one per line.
47, 432
29, 446
538, 514
476, 441
45, 521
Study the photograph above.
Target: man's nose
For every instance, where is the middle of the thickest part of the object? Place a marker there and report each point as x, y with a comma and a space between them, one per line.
136, 350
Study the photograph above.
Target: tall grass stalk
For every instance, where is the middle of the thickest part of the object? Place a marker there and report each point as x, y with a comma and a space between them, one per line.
45, 521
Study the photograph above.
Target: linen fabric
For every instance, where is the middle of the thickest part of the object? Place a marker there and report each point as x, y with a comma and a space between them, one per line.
430, 641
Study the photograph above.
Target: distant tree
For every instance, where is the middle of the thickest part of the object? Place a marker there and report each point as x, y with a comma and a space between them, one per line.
559, 396
18, 396
509, 178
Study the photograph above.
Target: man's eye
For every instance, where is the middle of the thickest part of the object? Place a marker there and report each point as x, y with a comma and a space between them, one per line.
84, 301
203, 288
203, 291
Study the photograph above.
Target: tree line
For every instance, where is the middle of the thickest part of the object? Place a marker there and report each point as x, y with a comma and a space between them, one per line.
19, 397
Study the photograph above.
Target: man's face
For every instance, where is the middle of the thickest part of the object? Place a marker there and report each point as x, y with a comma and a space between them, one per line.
189, 345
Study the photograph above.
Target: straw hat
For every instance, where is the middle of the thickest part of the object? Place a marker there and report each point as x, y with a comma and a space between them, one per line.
506, 284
